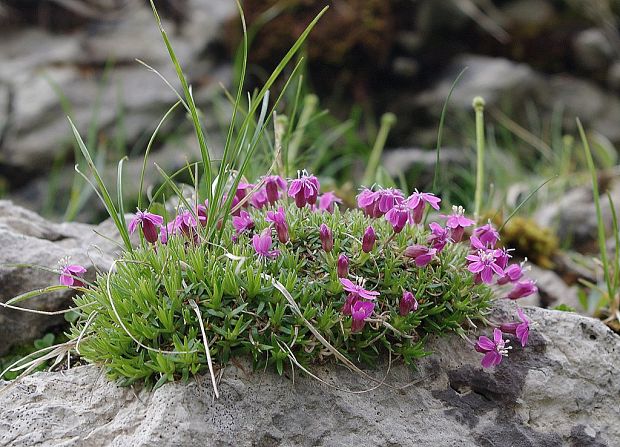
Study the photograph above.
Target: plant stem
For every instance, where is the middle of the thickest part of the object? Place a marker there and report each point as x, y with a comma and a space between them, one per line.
478, 105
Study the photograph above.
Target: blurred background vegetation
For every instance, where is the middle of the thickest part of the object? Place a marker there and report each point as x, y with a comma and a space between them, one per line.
539, 64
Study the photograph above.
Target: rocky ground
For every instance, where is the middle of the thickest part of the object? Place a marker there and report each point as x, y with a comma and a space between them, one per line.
561, 390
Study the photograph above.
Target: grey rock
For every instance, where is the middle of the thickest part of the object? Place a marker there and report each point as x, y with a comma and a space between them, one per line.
26, 238
562, 389
573, 216
38, 64
593, 51
495, 79
421, 162
613, 76
552, 290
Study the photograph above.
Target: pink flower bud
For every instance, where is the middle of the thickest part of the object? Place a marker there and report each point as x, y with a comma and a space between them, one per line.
523, 289
368, 241
421, 254
343, 266
327, 238
408, 303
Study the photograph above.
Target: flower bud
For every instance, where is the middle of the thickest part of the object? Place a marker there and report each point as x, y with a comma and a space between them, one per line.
343, 266
327, 238
408, 303
368, 241
523, 289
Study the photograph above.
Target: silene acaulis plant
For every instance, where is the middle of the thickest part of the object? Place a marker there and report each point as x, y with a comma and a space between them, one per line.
278, 270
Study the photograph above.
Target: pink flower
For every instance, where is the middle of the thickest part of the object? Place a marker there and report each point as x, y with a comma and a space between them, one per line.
185, 223
417, 202
259, 198
439, 236
327, 238
305, 190
149, 223
243, 189
243, 222
421, 254
278, 219
360, 311
521, 330
70, 274
512, 273
398, 216
368, 240
523, 289
262, 244
165, 231
502, 256
352, 288
328, 201
389, 198
487, 234
494, 350
201, 212
343, 266
368, 201
408, 303
273, 185
457, 223
485, 264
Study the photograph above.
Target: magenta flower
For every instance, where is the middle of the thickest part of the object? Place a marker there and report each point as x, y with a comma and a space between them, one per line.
368, 240
368, 201
327, 238
421, 254
273, 185
417, 202
523, 289
278, 219
165, 231
328, 201
343, 266
439, 236
70, 274
243, 189
398, 216
407, 303
149, 223
457, 223
353, 288
521, 330
487, 234
513, 273
304, 189
360, 311
243, 222
502, 256
259, 198
262, 244
185, 223
388, 198
201, 212
485, 264
494, 350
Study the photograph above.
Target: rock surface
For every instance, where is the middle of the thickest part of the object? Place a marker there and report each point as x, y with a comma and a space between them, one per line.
97, 63
27, 238
561, 390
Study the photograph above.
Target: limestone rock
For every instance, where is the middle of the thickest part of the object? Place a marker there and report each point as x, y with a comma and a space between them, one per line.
560, 390
27, 238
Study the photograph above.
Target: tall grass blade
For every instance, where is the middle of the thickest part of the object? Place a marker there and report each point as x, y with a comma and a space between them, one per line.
599, 215
102, 191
